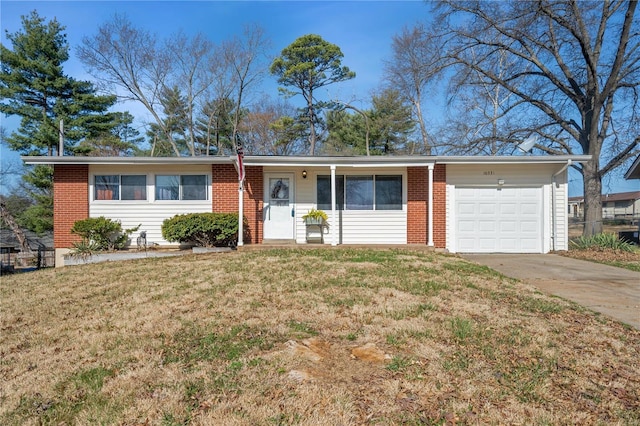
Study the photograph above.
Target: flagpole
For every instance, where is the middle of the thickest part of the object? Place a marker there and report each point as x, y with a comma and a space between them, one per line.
240, 213
241, 172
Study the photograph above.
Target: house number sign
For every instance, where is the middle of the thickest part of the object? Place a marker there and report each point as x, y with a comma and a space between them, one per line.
488, 173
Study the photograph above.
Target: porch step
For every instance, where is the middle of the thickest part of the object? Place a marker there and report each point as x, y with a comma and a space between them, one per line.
274, 242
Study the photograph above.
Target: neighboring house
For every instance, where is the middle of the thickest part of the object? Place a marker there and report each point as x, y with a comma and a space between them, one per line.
461, 204
614, 206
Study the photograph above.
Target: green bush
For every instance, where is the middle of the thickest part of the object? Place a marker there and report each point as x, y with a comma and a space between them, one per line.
203, 229
601, 242
101, 234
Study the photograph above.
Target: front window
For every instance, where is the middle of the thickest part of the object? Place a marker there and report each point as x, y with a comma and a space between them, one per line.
107, 187
120, 187
388, 192
185, 187
359, 192
381, 192
324, 192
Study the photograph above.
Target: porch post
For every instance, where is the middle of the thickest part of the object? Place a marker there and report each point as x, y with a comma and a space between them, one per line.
334, 225
240, 213
430, 207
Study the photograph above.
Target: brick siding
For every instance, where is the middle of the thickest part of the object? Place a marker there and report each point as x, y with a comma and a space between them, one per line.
70, 201
417, 194
440, 206
225, 196
418, 201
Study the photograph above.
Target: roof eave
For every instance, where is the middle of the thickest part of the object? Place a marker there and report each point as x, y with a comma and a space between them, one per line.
53, 160
634, 170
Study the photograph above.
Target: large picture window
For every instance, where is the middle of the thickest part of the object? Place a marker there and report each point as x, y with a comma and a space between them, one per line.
388, 192
359, 192
324, 192
381, 192
185, 187
120, 187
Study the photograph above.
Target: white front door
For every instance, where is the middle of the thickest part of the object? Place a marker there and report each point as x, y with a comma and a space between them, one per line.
279, 213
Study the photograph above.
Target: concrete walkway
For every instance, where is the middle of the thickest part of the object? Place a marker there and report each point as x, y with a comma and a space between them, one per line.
612, 291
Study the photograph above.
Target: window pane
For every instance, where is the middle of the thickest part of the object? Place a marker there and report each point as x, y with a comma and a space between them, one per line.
324, 192
388, 192
194, 187
134, 187
167, 188
106, 188
359, 192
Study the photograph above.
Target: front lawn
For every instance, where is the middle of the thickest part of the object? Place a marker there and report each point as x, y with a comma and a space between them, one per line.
306, 337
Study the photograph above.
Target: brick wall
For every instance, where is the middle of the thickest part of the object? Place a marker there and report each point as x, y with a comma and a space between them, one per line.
418, 201
225, 196
417, 194
440, 205
70, 201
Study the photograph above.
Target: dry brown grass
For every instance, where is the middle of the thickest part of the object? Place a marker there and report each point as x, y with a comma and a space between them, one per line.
278, 337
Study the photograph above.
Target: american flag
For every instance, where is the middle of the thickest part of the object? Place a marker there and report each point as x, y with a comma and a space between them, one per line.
240, 153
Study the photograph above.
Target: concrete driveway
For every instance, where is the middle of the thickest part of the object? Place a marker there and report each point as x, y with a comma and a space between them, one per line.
612, 291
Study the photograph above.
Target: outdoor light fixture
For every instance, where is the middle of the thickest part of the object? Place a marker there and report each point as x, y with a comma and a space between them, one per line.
304, 174
500, 182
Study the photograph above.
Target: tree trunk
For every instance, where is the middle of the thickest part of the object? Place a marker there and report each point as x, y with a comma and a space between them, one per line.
312, 125
423, 131
592, 198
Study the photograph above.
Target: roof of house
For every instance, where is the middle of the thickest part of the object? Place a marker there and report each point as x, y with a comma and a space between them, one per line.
356, 161
634, 170
618, 196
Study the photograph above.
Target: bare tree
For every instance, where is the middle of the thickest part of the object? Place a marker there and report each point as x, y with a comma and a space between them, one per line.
127, 60
246, 58
270, 129
191, 57
575, 73
416, 62
479, 120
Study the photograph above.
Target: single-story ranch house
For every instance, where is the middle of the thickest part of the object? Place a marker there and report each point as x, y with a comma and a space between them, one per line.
511, 204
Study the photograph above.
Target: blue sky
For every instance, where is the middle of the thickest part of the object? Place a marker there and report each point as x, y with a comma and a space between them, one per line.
362, 29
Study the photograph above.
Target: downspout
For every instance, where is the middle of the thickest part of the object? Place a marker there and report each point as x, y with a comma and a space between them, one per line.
554, 220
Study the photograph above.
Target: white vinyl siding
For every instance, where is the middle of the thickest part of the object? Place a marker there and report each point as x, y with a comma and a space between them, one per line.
149, 213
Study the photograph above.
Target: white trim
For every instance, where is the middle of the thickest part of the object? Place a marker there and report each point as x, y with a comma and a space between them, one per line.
334, 228
430, 242
307, 161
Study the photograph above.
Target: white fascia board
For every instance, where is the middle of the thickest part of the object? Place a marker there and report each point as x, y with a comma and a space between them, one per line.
125, 160
512, 159
360, 161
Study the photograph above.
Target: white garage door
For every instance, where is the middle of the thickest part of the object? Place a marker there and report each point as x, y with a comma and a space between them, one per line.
492, 220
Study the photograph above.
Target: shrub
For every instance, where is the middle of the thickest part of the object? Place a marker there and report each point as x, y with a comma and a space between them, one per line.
203, 229
602, 242
101, 234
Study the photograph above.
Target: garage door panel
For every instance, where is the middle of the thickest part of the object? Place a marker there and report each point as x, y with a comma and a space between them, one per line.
466, 226
506, 220
466, 209
508, 226
485, 226
485, 209
529, 226
508, 209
